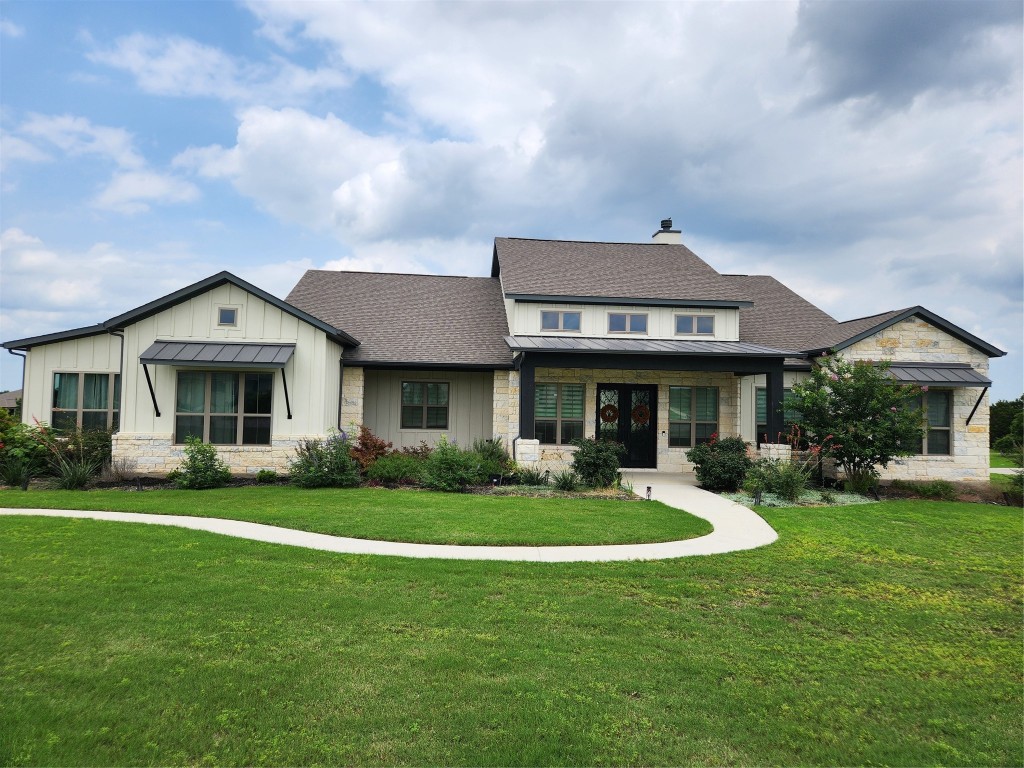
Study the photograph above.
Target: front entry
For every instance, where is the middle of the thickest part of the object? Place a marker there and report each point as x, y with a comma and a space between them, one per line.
628, 413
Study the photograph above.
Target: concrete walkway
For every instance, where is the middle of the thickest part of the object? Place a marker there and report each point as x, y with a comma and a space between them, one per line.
736, 528
1002, 471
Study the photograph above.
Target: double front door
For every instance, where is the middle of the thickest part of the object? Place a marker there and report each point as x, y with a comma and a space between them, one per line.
627, 413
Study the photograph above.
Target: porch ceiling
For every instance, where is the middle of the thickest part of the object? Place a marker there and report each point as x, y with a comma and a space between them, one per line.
578, 344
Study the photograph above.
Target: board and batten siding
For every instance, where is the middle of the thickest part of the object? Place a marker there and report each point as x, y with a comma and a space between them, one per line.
524, 320
470, 406
312, 371
91, 354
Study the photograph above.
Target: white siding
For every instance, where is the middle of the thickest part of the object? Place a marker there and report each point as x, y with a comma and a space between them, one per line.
92, 354
524, 320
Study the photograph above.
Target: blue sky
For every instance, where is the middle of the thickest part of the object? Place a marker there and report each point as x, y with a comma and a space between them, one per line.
867, 154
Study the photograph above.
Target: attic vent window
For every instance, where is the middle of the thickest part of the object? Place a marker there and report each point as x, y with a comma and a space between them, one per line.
227, 316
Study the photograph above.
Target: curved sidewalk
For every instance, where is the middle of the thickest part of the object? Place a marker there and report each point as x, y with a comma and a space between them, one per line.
736, 528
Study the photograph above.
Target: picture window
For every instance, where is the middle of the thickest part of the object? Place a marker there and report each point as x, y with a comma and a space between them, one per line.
558, 413
692, 415
425, 404
223, 407
86, 401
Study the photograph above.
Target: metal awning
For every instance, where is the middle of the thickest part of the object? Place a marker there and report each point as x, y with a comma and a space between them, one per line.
212, 354
949, 374
581, 344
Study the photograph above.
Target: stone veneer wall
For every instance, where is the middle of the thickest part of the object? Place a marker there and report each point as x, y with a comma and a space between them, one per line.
352, 389
670, 459
914, 340
158, 455
506, 407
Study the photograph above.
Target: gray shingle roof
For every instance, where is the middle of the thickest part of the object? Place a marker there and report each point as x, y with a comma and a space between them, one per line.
415, 319
627, 270
779, 317
830, 336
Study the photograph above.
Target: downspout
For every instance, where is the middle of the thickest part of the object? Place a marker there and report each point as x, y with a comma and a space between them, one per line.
341, 387
24, 365
120, 376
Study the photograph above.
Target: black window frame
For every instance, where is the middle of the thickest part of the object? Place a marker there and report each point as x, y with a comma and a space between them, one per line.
424, 405
790, 418
559, 421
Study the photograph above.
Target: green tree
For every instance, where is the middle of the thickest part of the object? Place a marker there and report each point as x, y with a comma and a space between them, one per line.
1000, 418
858, 415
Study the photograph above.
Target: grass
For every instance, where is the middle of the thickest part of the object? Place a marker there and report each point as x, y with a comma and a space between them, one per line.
882, 634
996, 460
413, 516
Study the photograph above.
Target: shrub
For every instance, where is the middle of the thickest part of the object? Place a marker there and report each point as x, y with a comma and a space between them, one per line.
566, 480
396, 468
421, 451
23, 450
324, 464
72, 473
720, 465
368, 448
449, 468
492, 457
936, 489
202, 467
530, 476
120, 470
785, 479
597, 461
266, 476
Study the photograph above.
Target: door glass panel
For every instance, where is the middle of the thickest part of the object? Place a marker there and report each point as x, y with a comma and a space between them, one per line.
608, 414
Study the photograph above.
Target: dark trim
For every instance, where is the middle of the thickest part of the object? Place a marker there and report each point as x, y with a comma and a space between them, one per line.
656, 362
975, 408
341, 388
287, 402
74, 333
214, 281
774, 402
379, 365
767, 355
541, 298
120, 375
212, 365
152, 393
527, 397
918, 311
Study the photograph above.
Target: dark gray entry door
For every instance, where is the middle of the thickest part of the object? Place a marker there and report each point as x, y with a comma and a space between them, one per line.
628, 413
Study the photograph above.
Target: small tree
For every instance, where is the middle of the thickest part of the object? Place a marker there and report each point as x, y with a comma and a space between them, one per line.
859, 416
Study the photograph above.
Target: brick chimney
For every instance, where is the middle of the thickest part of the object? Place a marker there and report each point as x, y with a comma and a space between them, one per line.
666, 235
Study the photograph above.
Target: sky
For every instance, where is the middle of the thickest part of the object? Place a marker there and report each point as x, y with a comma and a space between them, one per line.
867, 154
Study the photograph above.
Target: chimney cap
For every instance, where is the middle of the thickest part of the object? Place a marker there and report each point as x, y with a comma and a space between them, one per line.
666, 225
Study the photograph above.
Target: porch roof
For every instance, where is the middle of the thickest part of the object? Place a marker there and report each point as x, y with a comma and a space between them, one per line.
217, 355
955, 374
583, 345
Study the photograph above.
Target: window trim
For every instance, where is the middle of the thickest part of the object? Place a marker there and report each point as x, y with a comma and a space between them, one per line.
629, 323
113, 397
234, 321
559, 419
561, 320
240, 414
693, 318
926, 427
693, 421
423, 413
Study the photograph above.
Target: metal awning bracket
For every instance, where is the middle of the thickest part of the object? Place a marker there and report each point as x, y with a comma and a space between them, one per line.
152, 392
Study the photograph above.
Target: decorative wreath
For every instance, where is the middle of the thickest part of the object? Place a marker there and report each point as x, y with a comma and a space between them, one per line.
641, 414
609, 413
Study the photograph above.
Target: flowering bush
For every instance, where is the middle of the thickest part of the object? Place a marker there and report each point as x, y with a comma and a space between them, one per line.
858, 415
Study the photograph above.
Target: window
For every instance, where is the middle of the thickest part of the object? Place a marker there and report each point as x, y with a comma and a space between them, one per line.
86, 400
938, 420
790, 416
625, 323
227, 316
701, 325
223, 407
559, 321
558, 413
424, 405
692, 415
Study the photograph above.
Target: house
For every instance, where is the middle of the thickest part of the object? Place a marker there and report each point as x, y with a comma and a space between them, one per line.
643, 343
9, 401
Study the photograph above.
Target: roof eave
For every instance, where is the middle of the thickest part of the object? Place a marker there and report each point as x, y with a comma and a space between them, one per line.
537, 298
49, 338
940, 322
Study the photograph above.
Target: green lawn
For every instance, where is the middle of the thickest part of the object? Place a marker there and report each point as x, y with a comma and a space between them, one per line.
883, 634
998, 461
414, 516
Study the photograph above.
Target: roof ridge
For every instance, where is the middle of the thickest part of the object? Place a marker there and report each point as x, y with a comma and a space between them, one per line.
878, 314
398, 274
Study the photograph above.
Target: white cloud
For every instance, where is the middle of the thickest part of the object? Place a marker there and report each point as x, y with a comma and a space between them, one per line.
9, 29
132, 192
179, 66
14, 149
78, 136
